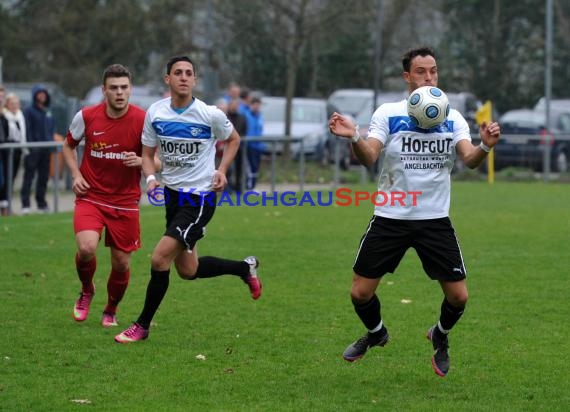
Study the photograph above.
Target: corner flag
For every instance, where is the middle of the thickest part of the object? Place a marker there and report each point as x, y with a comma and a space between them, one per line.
485, 114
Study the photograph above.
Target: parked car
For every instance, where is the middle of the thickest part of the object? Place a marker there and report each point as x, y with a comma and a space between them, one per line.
62, 107
141, 95
308, 121
361, 118
555, 104
524, 138
350, 101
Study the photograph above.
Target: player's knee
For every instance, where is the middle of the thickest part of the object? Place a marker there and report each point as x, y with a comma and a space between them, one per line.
86, 250
458, 299
186, 275
121, 267
186, 272
159, 262
360, 296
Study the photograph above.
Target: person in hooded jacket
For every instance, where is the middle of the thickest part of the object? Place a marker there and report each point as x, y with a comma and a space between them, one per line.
40, 127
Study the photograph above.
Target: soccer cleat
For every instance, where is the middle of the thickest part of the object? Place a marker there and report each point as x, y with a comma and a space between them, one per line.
251, 279
358, 349
109, 320
81, 308
440, 359
134, 333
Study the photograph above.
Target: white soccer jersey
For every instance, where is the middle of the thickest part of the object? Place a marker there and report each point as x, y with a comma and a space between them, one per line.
416, 164
186, 142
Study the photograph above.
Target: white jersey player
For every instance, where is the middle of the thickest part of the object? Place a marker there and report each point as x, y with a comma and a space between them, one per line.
414, 160
185, 129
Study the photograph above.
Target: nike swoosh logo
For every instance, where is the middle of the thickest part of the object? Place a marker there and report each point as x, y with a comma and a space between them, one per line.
97, 133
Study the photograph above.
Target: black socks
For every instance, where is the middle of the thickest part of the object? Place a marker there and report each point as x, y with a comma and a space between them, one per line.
449, 315
369, 312
155, 291
209, 267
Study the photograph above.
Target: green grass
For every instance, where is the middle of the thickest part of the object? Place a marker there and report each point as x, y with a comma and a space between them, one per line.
282, 353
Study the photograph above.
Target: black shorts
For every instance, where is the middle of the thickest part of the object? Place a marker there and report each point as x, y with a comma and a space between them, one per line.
187, 216
387, 240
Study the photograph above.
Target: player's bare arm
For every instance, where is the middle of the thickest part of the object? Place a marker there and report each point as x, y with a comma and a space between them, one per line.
230, 149
80, 185
472, 156
149, 167
367, 151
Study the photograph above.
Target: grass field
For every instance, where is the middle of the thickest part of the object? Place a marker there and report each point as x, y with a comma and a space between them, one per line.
283, 353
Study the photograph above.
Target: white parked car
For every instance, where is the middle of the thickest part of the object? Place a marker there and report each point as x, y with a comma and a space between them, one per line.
309, 121
350, 101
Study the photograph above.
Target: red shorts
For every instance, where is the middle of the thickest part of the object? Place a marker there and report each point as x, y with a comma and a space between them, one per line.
122, 226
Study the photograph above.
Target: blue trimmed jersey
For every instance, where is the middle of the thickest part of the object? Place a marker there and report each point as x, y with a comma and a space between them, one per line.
186, 142
416, 164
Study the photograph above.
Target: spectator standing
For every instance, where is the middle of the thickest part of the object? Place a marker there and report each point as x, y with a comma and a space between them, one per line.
254, 122
3, 131
230, 104
233, 92
40, 128
245, 97
16, 134
238, 119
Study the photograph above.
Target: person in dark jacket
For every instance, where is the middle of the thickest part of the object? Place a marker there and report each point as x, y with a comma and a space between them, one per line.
240, 124
3, 131
40, 128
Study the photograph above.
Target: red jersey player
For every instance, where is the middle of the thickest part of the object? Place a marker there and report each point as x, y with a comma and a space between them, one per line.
107, 188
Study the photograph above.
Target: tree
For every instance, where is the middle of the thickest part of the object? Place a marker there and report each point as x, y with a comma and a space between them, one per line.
497, 49
494, 48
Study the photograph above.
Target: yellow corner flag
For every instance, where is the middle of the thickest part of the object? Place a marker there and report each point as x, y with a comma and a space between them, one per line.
485, 114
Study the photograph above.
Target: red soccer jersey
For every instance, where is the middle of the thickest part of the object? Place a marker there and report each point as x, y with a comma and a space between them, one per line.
112, 183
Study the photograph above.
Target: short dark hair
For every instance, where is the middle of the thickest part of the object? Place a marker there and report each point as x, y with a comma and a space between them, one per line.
410, 54
116, 70
244, 93
177, 59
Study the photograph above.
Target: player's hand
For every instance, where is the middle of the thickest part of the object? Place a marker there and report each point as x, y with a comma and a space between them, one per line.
341, 125
219, 181
130, 159
153, 184
490, 133
80, 185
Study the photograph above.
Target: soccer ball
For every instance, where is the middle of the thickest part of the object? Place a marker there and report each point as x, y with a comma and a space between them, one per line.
428, 107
